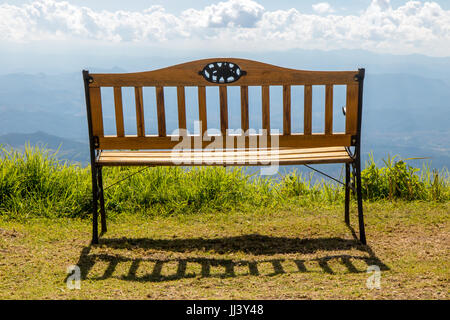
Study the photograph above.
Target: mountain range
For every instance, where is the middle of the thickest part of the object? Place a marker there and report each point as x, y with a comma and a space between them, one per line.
406, 110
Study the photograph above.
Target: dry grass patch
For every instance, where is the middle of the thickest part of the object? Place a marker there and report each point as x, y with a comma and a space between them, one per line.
293, 254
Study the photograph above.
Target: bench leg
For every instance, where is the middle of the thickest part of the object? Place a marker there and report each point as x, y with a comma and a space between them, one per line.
362, 234
347, 193
94, 171
102, 200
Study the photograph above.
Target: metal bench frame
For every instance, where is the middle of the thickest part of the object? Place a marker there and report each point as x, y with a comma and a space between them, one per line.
223, 72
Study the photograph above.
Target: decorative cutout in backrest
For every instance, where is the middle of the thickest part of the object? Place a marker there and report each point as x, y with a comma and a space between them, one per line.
222, 72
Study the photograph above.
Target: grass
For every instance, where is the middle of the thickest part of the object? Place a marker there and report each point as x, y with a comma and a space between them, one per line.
212, 233
35, 183
301, 253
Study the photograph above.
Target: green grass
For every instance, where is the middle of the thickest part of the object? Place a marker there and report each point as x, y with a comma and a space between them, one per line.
299, 253
36, 184
211, 233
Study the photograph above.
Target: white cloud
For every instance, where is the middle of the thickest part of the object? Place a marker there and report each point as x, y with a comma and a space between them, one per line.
233, 13
380, 4
415, 27
322, 7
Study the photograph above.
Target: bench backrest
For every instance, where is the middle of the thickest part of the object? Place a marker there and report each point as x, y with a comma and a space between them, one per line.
224, 72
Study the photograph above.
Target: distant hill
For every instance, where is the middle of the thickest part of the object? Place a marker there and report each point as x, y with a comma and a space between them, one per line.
68, 149
406, 104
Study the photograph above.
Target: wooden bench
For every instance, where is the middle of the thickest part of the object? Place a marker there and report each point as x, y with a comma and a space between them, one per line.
246, 147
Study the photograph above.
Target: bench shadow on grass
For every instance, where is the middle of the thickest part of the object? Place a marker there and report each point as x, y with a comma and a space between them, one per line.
252, 244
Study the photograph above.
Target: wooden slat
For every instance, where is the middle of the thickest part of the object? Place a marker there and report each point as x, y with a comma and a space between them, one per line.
236, 162
286, 109
160, 111
328, 109
181, 107
230, 154
202, 108
223, 98
226, 157
225, 152
155, 142
223, 109
118, 107
139, 111
244, 109
266, 109
351, 113
96, 111
307, 114
211, 155
257, 74
314, 140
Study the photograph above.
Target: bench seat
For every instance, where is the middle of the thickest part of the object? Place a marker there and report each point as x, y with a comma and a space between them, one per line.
284, 156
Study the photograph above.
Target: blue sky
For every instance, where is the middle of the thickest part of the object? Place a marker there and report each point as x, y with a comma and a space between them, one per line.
381, 26
177, 6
